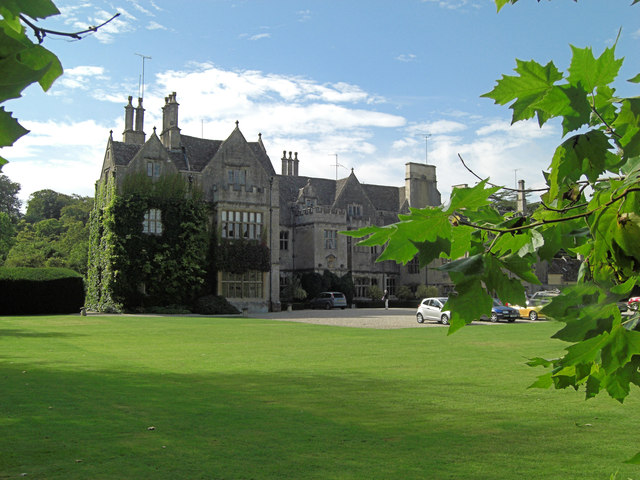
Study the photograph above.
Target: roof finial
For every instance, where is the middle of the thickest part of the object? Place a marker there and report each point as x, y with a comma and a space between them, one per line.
237, 123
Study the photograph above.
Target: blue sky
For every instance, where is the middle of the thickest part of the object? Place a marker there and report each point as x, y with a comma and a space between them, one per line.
367, 80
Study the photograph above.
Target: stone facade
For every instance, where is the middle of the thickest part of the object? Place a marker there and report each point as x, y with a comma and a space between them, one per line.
298, 217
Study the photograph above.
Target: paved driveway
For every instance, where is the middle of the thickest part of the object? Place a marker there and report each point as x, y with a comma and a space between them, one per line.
359, 318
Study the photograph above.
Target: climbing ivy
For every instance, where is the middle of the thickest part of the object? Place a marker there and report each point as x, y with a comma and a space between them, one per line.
130, 269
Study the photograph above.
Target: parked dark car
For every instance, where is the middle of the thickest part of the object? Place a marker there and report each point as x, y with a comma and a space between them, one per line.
501, 312
329, 300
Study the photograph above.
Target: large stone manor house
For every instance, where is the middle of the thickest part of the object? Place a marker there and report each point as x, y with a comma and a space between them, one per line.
300, 217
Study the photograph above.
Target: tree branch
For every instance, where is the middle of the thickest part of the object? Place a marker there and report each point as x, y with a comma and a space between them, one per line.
500, 186
40, 33
550, 221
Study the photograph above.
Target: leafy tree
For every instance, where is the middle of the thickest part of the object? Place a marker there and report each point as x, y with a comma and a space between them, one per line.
7, 236
9, 201
590, 210
46, 204
54, 242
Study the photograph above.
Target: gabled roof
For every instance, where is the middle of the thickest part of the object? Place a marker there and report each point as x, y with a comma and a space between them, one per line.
349, 190
195, 155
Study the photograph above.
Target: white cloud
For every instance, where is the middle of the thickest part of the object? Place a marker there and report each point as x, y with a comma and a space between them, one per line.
62, 156
406, 57
259, 36
155, 26
79, 77
304, 15
455, 4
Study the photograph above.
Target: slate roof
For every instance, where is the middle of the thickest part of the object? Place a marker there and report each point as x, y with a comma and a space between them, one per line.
198, 152
123, 153
383, 197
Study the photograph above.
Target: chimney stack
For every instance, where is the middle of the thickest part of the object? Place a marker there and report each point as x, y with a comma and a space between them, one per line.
521, 205
170, 132
133, 134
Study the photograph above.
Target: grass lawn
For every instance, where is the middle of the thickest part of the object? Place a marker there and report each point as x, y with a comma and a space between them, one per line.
115, 397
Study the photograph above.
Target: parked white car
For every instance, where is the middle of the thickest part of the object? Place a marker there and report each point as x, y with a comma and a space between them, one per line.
430, 309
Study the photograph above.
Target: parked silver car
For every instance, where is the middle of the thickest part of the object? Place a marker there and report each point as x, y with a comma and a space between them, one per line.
328, 300
430, 309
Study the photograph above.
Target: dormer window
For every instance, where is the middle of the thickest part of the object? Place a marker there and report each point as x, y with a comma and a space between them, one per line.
309, 202
153, 169
354, 210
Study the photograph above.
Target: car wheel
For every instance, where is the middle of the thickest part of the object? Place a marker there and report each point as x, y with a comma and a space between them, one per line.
444, 320
327, 306
634, 306
533, 315
420, 318
511, 320
494, 317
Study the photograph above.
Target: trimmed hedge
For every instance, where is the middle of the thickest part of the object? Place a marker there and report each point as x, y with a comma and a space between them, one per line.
34, 291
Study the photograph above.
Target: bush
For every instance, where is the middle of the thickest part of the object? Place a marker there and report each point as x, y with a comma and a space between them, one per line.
36, 291
405, 293
375, 293
423, 291
214, 305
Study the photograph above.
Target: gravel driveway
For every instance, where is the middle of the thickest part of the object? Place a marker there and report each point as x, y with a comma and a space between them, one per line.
358, 318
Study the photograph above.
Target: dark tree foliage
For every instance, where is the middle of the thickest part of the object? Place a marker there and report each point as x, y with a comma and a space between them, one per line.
9, 201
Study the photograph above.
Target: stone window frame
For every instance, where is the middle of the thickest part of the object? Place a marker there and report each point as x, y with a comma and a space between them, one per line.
152, 222
284, 239
153, 169
330, 239
237, 224
242, 285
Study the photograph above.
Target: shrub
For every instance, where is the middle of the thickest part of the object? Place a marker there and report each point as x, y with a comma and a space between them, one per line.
34, 291
375, 293
423, 291
405, 293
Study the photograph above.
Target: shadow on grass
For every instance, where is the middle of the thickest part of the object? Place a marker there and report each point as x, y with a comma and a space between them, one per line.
14, 332
118, 424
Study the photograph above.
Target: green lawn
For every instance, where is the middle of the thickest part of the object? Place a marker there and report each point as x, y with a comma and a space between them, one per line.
261, 399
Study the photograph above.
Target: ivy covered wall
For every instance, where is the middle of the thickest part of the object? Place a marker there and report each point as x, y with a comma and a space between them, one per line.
129, 269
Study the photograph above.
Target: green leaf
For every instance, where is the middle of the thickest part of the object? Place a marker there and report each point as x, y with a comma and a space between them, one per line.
583, 154
569, 102
42, 60
636, 458
10, 129
586, 350
591, 73
473, 265
627, 127
543, 381
527, 89
470, 198
429, 251
635, 79
33, 8
471, 302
